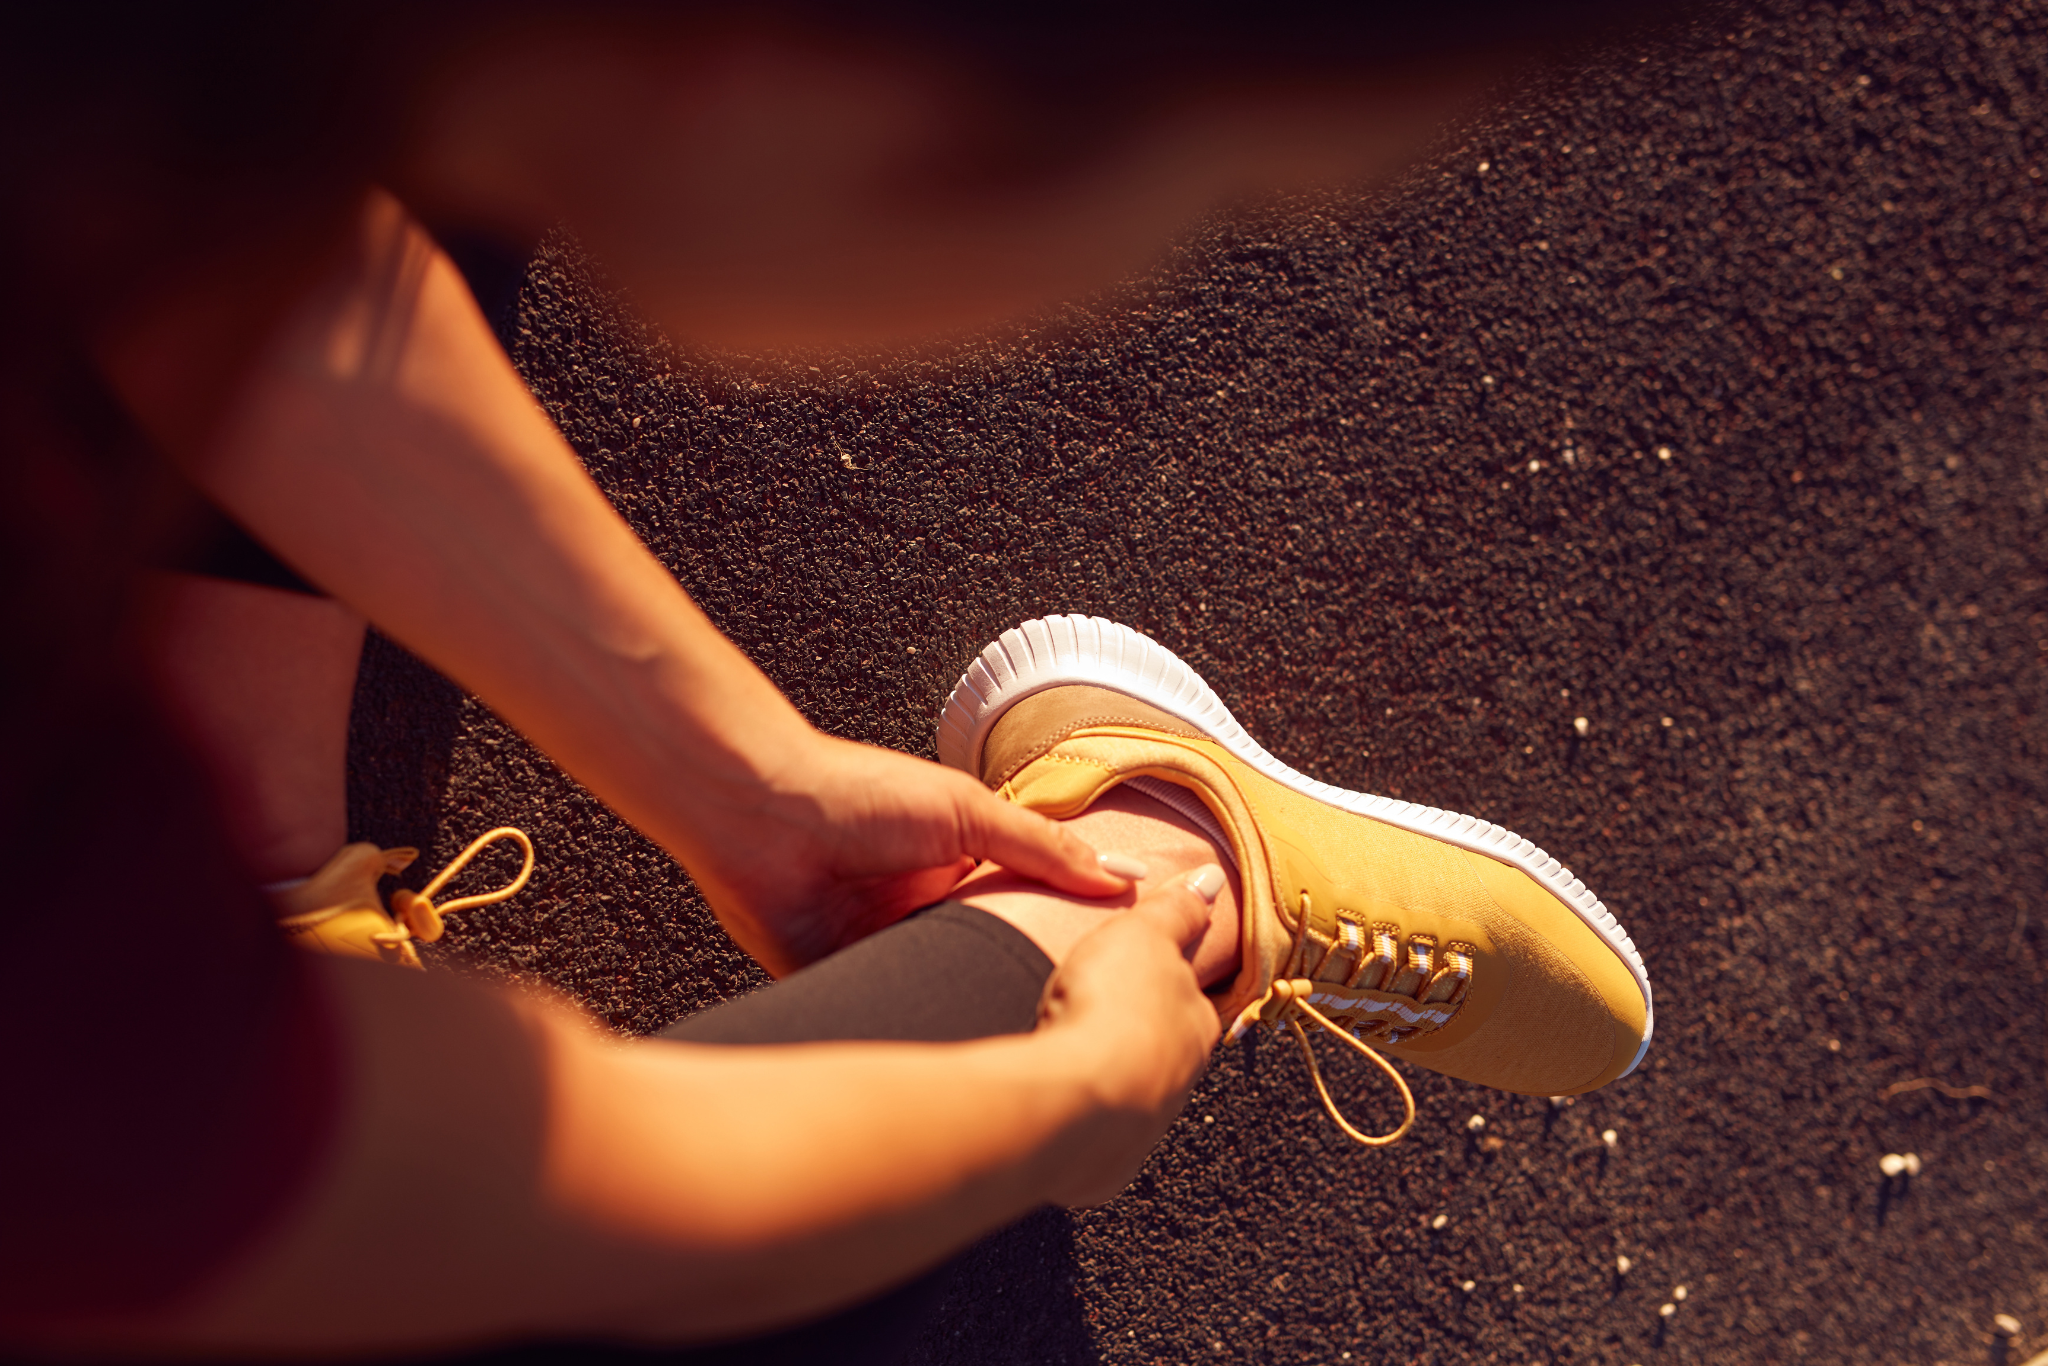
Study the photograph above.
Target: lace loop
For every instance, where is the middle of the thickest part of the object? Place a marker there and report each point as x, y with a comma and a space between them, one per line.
417, 915
1294, 996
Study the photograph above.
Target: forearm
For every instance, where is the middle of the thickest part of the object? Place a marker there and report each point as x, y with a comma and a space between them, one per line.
835, 1171
385, 446
522, 1175
381, 442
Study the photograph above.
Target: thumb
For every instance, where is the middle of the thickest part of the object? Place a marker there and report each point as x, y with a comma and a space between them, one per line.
1180, 906
1032, 846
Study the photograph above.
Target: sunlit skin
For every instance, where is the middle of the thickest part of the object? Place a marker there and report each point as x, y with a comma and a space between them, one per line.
370, 430
499, 561
1169, 846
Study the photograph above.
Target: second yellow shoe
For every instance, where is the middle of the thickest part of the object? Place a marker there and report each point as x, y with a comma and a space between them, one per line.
1440, 938
337, 910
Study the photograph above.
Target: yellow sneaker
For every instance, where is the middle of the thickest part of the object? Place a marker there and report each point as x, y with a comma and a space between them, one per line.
337, 910
1445, 940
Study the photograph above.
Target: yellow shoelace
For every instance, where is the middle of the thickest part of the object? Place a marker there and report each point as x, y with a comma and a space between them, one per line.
417, 915
1294, 995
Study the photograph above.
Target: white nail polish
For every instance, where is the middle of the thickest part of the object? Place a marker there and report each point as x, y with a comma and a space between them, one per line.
1123, 866
1207, 883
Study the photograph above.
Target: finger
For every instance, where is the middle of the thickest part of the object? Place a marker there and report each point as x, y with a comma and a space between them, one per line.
1182, 904
1029, 844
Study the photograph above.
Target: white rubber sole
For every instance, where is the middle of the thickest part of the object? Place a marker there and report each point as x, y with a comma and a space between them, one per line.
1052, 652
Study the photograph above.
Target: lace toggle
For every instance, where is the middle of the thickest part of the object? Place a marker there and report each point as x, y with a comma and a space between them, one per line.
419, 917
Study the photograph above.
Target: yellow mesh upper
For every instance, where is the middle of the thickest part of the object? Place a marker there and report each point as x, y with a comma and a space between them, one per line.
1551, 1008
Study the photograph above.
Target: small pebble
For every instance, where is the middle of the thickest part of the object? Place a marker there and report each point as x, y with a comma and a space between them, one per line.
1621, 1266
1609, 1137
1893, 1164
1667, 722
1663, 452
1440, 1221
1518, 1290
1679, 1294
2006, 1324
1467, 1286
1476, 1123
1581, 724
1667, 1310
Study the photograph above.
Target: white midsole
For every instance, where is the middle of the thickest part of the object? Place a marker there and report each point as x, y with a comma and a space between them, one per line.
1054, 652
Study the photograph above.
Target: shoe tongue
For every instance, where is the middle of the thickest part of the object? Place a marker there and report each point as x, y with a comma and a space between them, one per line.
1187, 804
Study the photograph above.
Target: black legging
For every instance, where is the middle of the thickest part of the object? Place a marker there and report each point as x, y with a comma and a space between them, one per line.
948, 973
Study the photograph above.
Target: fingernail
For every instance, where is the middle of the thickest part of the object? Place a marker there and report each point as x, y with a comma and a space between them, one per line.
1123, 866
1206, 882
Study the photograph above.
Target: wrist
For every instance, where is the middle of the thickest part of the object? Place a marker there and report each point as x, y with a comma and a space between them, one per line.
726, 738
1114, 1059
1112, 1115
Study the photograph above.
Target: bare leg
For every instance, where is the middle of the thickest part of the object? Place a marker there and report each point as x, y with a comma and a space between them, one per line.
260, 681
1166, 842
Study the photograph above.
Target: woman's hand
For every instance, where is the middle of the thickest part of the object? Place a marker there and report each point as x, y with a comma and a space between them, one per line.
1128, 993
843, 839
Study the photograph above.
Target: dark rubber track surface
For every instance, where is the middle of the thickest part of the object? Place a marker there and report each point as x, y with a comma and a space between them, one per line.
1389, 472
